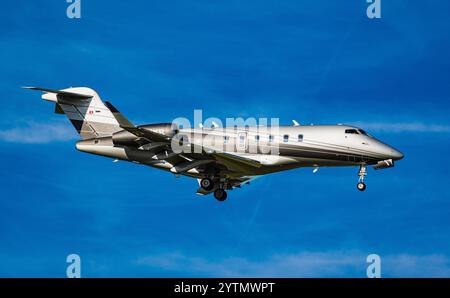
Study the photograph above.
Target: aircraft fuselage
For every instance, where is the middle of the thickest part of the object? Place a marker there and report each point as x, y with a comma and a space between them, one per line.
297, 146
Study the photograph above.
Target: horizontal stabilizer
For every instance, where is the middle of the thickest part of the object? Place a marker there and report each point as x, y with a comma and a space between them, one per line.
61, 93
84, 108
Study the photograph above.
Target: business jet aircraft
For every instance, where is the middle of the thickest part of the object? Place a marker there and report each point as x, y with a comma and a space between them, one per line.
220, 159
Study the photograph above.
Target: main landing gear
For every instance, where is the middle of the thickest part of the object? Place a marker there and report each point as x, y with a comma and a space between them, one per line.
208, 184
220, 194
362, 173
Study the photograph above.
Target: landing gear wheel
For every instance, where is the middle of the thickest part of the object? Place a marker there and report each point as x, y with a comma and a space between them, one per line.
361, 186
206, 184
220, 195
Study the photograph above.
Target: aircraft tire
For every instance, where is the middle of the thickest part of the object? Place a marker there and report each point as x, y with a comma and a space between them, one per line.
207, 184
220, 195
361, 186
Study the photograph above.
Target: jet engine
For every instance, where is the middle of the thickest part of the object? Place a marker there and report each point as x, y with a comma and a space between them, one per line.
126, 138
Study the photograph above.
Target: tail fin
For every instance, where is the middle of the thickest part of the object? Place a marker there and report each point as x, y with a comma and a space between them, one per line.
84, 108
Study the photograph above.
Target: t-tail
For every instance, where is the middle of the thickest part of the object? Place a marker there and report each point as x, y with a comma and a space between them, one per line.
84, 108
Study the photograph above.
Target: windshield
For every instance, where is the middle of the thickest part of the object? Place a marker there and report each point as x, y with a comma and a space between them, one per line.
351, 131
357, 132
363, 132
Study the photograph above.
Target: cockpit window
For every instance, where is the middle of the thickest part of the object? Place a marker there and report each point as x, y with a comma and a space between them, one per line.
351, 131
363, 132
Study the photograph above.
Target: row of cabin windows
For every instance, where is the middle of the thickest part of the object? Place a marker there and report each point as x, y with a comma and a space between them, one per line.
242, 138
271, 138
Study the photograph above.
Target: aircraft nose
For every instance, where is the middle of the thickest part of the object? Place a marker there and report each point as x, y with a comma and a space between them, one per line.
396, 155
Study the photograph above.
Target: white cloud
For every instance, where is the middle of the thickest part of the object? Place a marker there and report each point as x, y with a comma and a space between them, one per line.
393, 127
304, 264
37, 133
406, 265
291, 265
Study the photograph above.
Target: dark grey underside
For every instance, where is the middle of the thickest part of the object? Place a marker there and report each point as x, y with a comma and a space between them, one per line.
328, 154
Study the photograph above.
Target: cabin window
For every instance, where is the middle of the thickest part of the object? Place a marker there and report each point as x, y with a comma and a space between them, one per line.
351, 131
270, 138
257, 138
285, 138
300, 138
225, 139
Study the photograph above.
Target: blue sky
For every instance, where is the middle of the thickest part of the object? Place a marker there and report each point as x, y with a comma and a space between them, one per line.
314, 61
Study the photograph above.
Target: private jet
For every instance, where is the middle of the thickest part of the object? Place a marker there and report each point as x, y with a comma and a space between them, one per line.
221, 159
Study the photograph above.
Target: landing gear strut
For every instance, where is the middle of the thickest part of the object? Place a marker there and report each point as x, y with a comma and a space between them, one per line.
362, 173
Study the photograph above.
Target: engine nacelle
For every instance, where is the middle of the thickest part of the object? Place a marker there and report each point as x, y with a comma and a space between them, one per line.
167, 129
126, 138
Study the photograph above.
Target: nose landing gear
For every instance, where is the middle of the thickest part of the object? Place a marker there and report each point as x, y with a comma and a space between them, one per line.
362, 173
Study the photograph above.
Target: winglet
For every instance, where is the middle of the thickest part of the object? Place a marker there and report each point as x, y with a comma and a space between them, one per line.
123, 121
136, 130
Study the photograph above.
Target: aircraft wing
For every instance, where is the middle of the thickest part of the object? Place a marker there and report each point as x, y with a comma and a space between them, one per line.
232, 162
136, 130
226, 158
182, 163
229, 158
